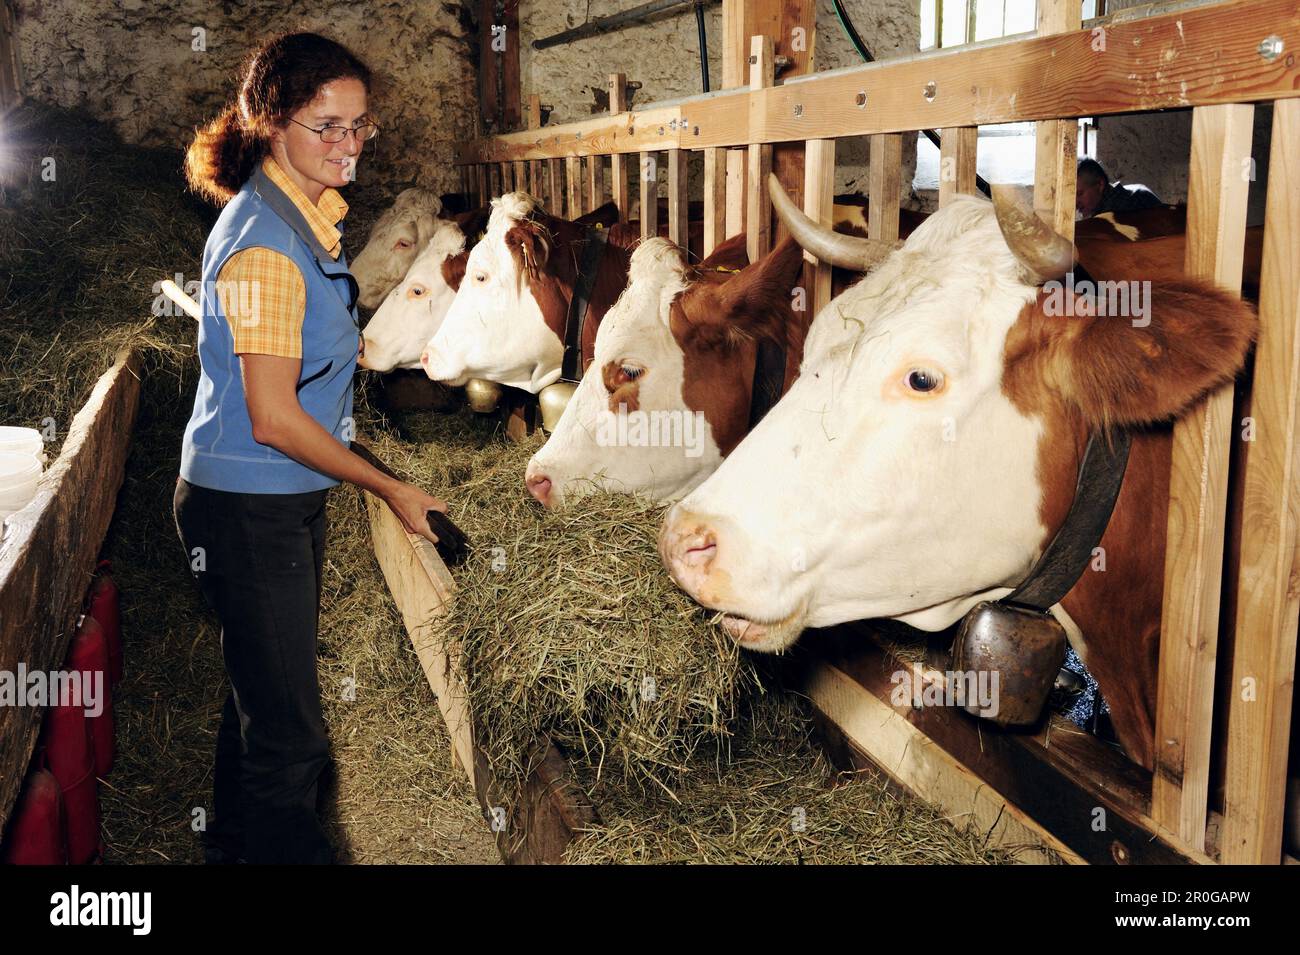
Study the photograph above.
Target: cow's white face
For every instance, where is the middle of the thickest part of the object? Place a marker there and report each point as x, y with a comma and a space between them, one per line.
395, 240
628, 428
895, 479
495, 328
414, 310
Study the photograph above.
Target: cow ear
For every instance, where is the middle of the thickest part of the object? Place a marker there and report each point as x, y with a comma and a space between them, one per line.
453, 270
753, 305
730, 256
1176, 342
425, 223
473, 223
528, 248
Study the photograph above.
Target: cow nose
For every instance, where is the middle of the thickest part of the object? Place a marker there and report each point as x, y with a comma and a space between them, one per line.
539, 486
425, 357
688, 545
366, 348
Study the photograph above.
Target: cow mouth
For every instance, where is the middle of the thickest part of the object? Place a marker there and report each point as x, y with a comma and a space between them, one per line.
760, 636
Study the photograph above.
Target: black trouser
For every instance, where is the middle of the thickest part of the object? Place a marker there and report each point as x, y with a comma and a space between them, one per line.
258, 560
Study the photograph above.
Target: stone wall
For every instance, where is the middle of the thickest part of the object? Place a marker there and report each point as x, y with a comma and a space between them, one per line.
141, 66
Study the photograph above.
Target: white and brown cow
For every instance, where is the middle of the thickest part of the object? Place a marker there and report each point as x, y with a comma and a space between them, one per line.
395, 240
929, 450
668, 393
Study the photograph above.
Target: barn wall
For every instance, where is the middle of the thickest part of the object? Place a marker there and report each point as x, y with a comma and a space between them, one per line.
663, 56
133, 64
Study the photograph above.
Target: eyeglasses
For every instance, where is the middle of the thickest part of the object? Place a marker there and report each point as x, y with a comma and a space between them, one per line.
336, 134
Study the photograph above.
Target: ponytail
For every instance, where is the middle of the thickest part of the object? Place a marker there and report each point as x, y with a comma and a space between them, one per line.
222, 157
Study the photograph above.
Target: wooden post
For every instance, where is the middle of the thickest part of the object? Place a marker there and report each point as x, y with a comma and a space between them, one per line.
521, 176
1198, 492
678, 200
758, 204
506, 177
819, 204
10, 70
510, 86
1263, 663
649, 196
735, 58
535, 184
617, 162
1057, 154
957, 162
595, 181
481, 177
555, 187
489, 62
885, 182
715, 197
573, 178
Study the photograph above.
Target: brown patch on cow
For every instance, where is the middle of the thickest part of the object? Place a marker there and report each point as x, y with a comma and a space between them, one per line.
1080, 374
453, 270
717, 323
622, 389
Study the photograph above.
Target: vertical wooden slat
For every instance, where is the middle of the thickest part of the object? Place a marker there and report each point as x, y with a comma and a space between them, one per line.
735, 192
573, 181
521, 176
505, 177
678, 201
758, 204
10, 78
595, 181
1056, 157
884, 185
510, 86
715, 197
481, 176
1267, 597
957, 161
535, 183
555, 187
649, 179
735, 59
618, 163
1198, 492
819, 204
489, 62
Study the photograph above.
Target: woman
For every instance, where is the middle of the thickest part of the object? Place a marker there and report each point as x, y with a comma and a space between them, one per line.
271, 427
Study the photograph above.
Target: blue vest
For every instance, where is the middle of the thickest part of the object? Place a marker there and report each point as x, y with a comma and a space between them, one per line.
218, 450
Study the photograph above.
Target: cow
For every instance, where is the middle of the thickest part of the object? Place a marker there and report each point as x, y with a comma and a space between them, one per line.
669, 390
930, 447
395, 240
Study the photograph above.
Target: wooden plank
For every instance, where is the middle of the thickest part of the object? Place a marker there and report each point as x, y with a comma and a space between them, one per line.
678, 200
481, 176
11, 82
521, 176
885, 184
819, 204
552, 810
957, 154
735, 192
573, 186
1198, 491
49, 548
649, 179
1196, 57
510, 86
505, 175
617, 164
715, 198
1089, 796
536, 184
555, 187
924, 769
595, 181
758, 204
489, 65
1267, 601
1057, 152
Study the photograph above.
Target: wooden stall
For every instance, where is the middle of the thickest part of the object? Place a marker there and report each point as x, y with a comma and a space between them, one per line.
1217, 60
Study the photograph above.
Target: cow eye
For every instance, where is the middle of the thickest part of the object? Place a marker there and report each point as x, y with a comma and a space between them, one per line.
923, 380
404, 243
416, 291
480, 277
630, 372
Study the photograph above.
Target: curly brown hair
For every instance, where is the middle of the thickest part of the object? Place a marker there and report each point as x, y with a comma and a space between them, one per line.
278, 78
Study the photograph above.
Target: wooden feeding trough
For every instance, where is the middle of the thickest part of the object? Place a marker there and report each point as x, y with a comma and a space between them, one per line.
49, 548
1233, 553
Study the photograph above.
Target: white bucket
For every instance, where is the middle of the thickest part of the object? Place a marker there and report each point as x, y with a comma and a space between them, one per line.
20, 472
23, 440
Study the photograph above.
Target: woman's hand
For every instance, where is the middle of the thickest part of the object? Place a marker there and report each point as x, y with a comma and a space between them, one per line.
411, 504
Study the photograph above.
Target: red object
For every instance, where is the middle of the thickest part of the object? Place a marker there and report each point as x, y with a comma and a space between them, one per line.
72, 761
89, 655
105, 608
36, 834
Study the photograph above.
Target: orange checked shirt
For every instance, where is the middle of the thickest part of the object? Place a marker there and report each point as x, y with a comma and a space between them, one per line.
281, 303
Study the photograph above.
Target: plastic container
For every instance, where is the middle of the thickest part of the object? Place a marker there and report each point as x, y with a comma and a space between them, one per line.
27, 440
20, 472
37, 833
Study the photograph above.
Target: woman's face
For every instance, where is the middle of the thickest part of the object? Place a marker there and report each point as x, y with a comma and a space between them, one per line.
313, 164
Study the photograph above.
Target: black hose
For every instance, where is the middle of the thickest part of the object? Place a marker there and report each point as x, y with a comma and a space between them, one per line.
704, 45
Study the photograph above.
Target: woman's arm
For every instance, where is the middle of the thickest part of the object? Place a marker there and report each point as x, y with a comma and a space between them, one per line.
270, 390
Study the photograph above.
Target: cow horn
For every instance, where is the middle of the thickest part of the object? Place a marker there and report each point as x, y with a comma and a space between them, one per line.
846, 251
1034, 243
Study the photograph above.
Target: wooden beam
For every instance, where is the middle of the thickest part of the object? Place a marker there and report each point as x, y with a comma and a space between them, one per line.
678, 200
50, 548
715, 198
885, 184
510, 86
617, 164
1263, 664
1057, 152
573, 180
649, 179
995, 82
1198, 491
758, 204
819, 204
489, 65
957, 153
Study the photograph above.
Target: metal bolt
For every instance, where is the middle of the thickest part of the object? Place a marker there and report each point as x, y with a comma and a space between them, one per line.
661, 130
1119, 852
861, 99
798, 109
929, 92
697, 130
631, 130
752, 59
1270, 48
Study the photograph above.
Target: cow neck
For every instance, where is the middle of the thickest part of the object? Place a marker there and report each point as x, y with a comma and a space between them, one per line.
593, 245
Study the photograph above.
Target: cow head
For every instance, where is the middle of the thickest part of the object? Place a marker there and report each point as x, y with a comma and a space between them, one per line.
902, 474
667, 394
395, 240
